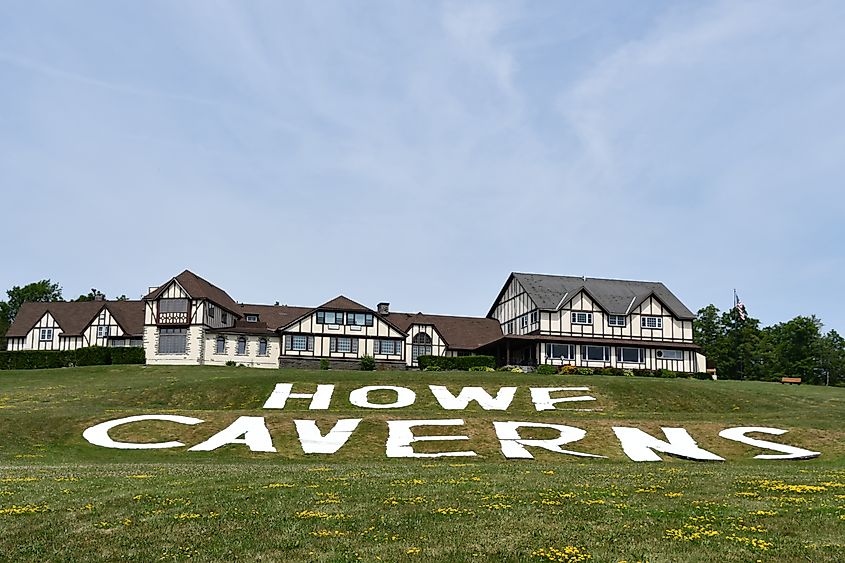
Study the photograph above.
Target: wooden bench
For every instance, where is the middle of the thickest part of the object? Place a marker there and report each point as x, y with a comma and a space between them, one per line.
790, 380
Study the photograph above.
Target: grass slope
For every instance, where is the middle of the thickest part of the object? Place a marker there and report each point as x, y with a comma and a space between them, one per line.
64, 499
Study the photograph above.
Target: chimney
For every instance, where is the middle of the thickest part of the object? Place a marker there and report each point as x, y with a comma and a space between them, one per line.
99, 297
383, 308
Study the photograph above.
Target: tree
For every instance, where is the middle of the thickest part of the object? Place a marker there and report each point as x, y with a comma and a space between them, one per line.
831, 358
92, 295
707, 330
792, 349
738, 353
40, 291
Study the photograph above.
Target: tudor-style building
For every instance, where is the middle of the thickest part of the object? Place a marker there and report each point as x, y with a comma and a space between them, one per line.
536, 319
593, 322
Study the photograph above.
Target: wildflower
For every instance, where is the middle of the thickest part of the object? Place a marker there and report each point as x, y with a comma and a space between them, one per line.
567, 554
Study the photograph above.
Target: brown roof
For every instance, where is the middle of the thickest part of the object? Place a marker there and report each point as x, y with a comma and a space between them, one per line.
600, 341
345, 304
199, 288
75, 316
460, 333
270, 318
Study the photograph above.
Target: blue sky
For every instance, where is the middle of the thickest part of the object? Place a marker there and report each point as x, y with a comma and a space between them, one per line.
418, 152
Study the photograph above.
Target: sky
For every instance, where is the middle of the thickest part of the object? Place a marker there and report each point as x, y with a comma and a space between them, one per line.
418, 152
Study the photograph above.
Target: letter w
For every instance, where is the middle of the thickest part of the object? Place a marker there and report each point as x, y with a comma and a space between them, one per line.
500, 402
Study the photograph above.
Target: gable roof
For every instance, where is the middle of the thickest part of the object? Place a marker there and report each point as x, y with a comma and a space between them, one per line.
73, 317
616, 297
460, 333
198, 288
273, 316
343, 303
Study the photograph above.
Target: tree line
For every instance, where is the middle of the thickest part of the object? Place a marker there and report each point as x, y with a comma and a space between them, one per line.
740, 349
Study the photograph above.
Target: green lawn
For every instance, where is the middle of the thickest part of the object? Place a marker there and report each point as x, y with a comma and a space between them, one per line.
63, 499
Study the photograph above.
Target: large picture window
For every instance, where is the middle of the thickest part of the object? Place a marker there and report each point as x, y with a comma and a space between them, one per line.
630, 355
560, 351
359, 319
172, 340
670, 354
329, 318
343, 345
387, 347
595, 353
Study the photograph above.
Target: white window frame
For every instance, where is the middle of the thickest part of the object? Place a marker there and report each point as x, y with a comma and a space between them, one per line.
45, 335
299, 343
391, 345
550, 347
535, 316
614, 320
343, 345
678, 355
523, 321
577, 315
251, 318
649, 320
103, 331
640, 355
586, 356
509, 327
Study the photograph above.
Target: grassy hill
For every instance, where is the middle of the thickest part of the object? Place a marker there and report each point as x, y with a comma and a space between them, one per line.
62, 498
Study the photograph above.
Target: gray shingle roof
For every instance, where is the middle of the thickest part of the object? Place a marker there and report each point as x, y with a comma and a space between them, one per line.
616, 297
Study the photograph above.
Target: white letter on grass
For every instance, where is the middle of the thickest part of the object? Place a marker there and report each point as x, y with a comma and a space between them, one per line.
404, 397
513, 445
791, 452
639, 446
252, 428
449, 402
315, 443
99, 434
320, 399
542, 397
400, 437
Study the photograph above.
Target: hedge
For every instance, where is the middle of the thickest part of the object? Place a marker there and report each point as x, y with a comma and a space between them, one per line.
91, 356
456, 362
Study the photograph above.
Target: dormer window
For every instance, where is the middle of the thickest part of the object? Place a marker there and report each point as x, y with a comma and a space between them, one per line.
252, 318
651, 322
329, 318
616, 320
359, 319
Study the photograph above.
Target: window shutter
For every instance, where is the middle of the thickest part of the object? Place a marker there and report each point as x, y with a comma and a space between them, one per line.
354, 345
310, 344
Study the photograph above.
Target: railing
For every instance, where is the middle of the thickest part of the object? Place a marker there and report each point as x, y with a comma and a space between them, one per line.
173, 318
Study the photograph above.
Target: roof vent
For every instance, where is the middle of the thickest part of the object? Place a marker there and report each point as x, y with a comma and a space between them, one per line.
383, 308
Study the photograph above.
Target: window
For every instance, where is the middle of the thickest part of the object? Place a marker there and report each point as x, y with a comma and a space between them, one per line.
509, 328
262, 347
241, 351
386, 347
329, 318
580, 318
523, 321
651, 322
421, 346
46, 334
616, 320
224, 317
670, 354
535, 317
595, 353
173, 306
210, 311
300, 342
252, 318
359, 319
343, 345
560, 351
630, 355
102, 331
221, 345
172, 340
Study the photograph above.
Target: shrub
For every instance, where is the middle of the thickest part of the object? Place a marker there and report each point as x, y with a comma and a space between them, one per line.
546, 369
584, 371
128, 355
368, 363
643, 373
433, 367
628, 372
481, 368
95, 355
568, 369
701, 375
516, 369
324, 364
456, 362
231, 363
